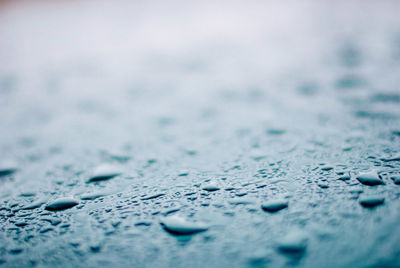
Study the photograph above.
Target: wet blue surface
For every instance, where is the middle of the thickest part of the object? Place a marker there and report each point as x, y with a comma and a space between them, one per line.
257, 135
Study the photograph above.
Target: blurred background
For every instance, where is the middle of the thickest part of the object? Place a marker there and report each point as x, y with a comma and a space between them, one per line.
78, 59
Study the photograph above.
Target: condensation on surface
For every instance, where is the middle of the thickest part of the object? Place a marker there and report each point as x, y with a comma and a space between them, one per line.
182, 134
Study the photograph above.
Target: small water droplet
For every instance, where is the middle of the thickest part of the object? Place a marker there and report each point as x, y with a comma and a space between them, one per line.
294, 242
392, 158
396, 179
104, 172
210, 187
154, 196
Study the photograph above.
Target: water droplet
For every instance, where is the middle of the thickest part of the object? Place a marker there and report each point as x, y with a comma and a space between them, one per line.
36, 204
7, 168
53, 221
210, 187
350, 81
241, 201
345, 178
369, 178
274, 205
27, 194
395, 157
15, 250
259, 258
95, 247
323, 185
327, 167
92, 196
21, 223
62, 203
46, 229
372, 201
180, 226
104, 172
396, 179
170, 210
241, 193
152, 196
183, 173
294, 242
143, 223
257, 154
276, 131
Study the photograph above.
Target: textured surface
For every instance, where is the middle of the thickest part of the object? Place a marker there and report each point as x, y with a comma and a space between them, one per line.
204, 113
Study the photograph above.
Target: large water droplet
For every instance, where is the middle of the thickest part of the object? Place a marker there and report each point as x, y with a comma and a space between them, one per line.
274, 205
178, 225
62, 203
372, 201
369, 178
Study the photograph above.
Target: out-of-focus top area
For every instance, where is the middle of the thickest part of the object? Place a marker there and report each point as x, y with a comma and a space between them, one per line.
84, 54
220, 38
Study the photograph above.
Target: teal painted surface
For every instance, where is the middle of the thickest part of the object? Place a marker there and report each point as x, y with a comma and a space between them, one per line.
167, 128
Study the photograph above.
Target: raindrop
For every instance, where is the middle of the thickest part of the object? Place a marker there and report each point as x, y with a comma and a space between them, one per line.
369, 178
62, 203
180, 226
154, 196
372, 201
210, 187
294, 242
7, 168
104, 172
274, 205
395, 157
